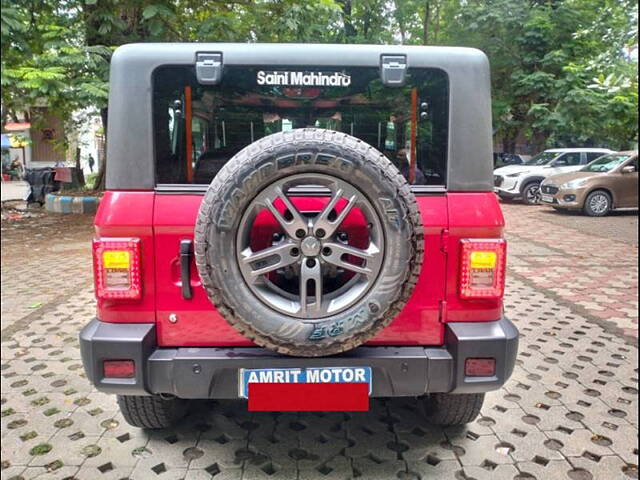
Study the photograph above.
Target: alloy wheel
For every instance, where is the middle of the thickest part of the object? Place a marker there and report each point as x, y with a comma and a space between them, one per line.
312, 268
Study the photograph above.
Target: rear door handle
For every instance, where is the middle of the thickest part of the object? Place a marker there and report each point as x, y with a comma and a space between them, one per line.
185, 268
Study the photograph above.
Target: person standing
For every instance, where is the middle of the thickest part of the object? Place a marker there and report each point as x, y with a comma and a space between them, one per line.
91, 163
16, 171
402, 162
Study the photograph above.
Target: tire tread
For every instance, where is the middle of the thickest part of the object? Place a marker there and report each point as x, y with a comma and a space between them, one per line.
449, 409
150, 412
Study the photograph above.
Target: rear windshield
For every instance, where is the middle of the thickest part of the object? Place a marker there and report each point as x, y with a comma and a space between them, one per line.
199, 128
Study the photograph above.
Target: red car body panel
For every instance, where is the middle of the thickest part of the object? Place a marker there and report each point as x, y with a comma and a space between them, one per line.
471, 215
161, 221
129, 215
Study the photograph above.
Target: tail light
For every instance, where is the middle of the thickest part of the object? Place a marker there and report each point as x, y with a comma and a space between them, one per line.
482, 268
117, 268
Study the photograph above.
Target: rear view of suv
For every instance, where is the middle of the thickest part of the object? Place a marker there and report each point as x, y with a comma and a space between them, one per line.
301, 227
523, 181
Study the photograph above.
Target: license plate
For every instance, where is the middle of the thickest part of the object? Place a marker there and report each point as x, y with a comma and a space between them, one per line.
315, 375
547, 198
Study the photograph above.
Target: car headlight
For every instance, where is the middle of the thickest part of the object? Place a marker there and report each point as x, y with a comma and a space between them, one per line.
517, 174
573, 183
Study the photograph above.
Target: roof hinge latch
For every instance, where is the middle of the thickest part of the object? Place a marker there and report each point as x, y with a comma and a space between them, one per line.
209, 67
393, 70
444, 240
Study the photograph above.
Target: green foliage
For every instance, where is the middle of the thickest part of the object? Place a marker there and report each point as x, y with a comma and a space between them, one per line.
560, 68
45, 61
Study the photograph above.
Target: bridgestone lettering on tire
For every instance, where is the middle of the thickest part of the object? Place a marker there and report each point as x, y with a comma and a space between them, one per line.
309, 314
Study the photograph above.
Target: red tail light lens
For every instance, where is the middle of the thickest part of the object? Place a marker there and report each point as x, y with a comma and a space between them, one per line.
117, 268
480, 367
482, 268
119, 369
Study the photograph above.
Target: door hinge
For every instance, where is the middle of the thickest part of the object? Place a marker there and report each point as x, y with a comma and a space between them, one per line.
393, 70
209, 67
444, 240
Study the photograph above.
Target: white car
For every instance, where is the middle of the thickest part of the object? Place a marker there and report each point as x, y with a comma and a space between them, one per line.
523, 181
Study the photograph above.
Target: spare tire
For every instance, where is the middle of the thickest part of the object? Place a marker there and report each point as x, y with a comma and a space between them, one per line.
309, 242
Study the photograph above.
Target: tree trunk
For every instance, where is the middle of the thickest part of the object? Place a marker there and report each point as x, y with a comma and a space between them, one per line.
436, 27
425, 27
79, 171
509, 140
100, 182
349, 29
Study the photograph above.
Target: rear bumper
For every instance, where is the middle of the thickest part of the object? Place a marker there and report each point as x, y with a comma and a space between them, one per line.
213, 372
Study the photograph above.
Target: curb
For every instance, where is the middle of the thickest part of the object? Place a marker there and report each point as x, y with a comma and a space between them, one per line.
69, 204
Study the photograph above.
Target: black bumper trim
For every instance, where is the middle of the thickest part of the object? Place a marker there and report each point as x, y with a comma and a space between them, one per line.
192, 372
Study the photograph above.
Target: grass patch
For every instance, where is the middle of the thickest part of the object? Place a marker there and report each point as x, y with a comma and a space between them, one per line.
53, 466
39, 402
41, 449
28, 436
91, 451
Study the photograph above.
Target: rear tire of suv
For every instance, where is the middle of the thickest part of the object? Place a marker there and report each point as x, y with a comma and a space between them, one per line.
531, 193
597, 204
448, 409
151, 412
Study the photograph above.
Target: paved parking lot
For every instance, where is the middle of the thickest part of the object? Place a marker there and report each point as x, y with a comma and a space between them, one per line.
569, 411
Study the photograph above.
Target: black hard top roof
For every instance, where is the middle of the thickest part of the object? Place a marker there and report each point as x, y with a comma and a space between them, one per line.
130, 148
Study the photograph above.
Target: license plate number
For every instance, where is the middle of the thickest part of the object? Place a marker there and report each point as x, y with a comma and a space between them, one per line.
316, 375
547, 198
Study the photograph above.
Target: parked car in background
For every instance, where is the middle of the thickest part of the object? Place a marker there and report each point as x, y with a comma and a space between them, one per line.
608, 183
502, 159
523, 181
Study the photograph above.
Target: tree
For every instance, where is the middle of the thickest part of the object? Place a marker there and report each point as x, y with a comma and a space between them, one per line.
561, 71
545, 57
45, 61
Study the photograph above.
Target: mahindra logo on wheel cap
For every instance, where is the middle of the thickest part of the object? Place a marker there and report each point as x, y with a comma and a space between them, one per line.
306, 79
310, 246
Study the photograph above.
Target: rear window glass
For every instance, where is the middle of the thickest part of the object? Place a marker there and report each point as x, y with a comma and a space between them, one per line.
198, 128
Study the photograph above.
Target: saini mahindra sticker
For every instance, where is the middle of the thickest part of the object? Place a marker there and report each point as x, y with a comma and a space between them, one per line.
303, 79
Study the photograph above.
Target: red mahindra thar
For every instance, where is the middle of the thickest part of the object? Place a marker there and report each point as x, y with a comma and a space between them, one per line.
300, 226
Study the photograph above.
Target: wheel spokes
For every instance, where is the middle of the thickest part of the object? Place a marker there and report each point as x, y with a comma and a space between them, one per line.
289, 226
322, 222
335, 254
313, 271
267, 260
310, 275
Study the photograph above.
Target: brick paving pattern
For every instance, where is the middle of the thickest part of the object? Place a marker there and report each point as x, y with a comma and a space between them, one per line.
568, 412
597, 276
